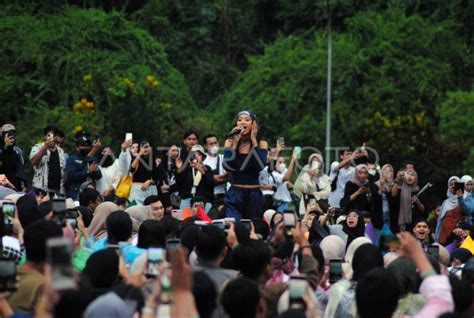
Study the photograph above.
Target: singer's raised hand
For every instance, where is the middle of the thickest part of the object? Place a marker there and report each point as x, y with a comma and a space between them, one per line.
234, 140
254, 133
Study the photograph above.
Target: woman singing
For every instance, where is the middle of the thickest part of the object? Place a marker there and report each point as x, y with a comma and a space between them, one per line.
244, 157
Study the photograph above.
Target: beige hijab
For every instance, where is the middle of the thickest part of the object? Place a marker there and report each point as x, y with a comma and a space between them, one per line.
355, 244
333, 247
97, 228
138, 213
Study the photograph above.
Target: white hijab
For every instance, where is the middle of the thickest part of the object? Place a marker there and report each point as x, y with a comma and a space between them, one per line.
452, 200
304, 180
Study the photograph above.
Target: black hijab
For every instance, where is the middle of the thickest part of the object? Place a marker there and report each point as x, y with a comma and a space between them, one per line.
353, 233
102, 268
366, 257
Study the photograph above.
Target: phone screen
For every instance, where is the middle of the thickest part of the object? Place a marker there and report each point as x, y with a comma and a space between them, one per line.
297, 288
59, 205
246, 223
8, 209
128, 136
219, 224
297, 151
289, 218
335, 270
155, 258
59, 252
71, 217
173, 244
433, 250
7, 275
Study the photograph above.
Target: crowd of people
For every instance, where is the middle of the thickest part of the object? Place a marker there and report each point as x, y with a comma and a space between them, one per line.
188, 230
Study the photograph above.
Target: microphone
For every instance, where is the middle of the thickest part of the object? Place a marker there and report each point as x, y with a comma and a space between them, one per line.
236, 132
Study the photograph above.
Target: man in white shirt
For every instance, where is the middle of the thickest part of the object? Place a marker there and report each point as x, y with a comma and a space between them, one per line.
48, 161
344, 172
214, 160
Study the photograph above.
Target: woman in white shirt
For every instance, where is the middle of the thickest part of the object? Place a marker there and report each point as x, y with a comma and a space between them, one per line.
313, 184
113, 169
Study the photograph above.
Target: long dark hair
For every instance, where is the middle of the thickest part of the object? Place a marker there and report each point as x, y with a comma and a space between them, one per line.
151, 234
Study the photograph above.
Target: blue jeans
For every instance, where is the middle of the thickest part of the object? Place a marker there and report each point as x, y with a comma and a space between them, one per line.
243, 203
282, 206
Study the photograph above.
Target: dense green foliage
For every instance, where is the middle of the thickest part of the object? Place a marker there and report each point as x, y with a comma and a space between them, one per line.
50, 63
389, 74
456, 124
403, 72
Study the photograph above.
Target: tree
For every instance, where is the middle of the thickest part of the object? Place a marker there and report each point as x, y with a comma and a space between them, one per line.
456, 125
390, 72
91, 69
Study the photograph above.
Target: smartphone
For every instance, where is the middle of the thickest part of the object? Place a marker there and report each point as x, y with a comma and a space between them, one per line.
297, 151
8, 209
246, 223
128, 136
433, 250
335, 270
297, 288
201, 223
219, 223
280, 140
155, 259
289, 219
59, 204
59, 256
71, 217
458, 186
171, 244
7, 275
96, 137
176, 213
50, 137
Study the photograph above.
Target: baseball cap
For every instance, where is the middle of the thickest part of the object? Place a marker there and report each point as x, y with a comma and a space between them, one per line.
8, 127
198, 148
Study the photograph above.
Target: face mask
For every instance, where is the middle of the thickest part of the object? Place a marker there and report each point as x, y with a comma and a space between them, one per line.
281, 167
214, 150
315, 165
84, 152
106, 161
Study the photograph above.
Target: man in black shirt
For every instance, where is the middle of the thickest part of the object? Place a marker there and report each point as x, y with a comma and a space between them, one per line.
11, 158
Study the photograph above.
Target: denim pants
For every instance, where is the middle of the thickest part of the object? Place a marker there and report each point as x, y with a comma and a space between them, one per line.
244, 203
